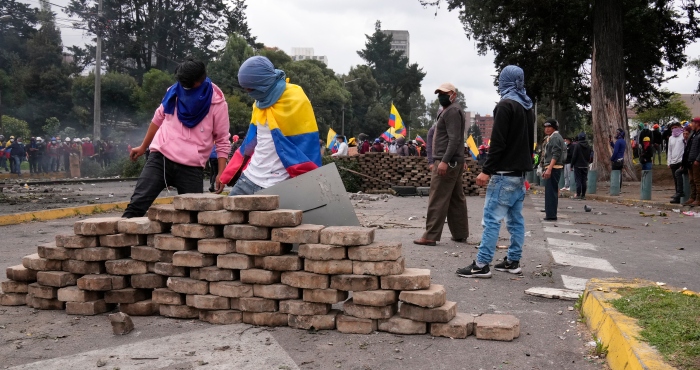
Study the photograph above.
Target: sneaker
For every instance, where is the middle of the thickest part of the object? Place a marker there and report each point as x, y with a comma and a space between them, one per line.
472, 271
508, 266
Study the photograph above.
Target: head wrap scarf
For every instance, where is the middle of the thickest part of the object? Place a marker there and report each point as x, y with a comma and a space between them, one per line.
511, 85
192, 104
620, 134
268, 84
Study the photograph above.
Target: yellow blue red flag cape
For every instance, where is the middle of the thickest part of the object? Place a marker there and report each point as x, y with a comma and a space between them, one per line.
294, 132
395, 120
330, 139
393, 133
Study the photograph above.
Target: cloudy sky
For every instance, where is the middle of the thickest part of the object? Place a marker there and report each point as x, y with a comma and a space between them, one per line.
337, 28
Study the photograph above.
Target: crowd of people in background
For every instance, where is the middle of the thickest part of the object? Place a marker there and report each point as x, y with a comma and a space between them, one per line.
400, 146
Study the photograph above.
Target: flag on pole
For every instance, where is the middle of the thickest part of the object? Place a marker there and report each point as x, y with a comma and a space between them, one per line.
395, 120
418, 138
330, 140
472, 146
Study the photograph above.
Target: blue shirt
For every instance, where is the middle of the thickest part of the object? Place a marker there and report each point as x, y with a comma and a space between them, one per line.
618, 150
212, 155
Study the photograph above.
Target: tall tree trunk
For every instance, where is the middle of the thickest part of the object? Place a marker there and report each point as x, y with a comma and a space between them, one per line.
608, 86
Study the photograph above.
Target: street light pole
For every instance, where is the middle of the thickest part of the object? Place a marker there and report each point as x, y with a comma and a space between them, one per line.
98, 71
3, 18
342, 128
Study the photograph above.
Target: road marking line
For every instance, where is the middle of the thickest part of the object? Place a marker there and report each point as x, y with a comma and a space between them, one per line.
562, 230
571, 244
574, 283
248, 348
567, 259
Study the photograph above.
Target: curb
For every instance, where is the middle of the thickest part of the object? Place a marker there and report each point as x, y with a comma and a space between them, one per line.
617, 331
52, 214
625, 201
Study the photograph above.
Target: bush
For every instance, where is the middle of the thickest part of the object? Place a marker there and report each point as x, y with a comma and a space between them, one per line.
132, 169
121, 167
90, 168
351, 181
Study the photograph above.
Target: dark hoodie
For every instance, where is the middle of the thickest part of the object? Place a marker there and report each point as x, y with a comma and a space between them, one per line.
581, 153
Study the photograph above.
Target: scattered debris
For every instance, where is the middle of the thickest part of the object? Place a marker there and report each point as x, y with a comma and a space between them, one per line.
553, 293
121, 323
587, 208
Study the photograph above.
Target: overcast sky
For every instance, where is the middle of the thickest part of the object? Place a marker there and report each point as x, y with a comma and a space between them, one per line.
337, 28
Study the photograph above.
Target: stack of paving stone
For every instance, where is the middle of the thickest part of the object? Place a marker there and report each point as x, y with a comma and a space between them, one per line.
404, 171
228, 260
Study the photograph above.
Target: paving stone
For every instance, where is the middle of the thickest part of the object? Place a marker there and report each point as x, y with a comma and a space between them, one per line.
196, 231
231, 289
214, 273
148, 281
276, 291
314, 322
127, 295
329, 267
167, 296
34, 262
265, 318
258, 276
322, 252
45, 304
222, 217
378, 298
347, 235
234, 261
399, 325
354, 283
380, 268
257, 304
369, 312
126, 267
258, 261
151, 240
193, 259
299, 307
377, 251
75, 294
199, 202
96, 226
83, 267
58, 279
168, 269
287, 262
188, 286
434, 296
121, 323
168, 214
497, 327
411, 279
221, 317
52, 252
151, 254
235, 303
178, 311
13, 299
101, 283
460, 327
76, 241
216, 246
252, 202
11, 286
100, 254
302, 234
246, 232
142, 226
330, 296
444, 313
276, 218
140, 308
260, 247
20, 273
169, 242
122, 240
40, 291
208, 302
90, 308
305, 280
354, 325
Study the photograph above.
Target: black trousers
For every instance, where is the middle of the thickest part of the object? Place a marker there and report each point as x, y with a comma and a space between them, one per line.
618, 166
214, 168
551, 194
677, 177
158, 172
581, 175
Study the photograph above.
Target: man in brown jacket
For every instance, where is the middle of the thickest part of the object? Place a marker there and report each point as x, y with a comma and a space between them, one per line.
446, 194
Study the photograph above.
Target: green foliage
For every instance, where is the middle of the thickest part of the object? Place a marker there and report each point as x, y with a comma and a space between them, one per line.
376, 119
150, 94
352, 182
15, 127
90, 168
120, 96
51, 127
666, 111
131, 169
239, 113
224, 69
364, 91
68, 132
475, 131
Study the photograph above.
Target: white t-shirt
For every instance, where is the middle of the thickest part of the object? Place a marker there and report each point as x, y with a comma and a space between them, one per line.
342, 150
265, 168
393, 148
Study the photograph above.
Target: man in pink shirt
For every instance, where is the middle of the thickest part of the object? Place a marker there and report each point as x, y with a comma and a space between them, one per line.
192, 117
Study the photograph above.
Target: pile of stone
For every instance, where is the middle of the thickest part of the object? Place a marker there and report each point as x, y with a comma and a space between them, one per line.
227, 260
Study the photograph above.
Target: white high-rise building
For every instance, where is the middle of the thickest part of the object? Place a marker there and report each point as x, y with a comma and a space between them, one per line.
307, 53
401, 41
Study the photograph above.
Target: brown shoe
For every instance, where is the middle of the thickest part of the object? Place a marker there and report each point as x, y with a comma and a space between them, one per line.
689, 202
423, 241
696, 204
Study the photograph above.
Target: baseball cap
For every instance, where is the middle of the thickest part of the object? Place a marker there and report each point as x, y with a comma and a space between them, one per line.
551, 122
446, 87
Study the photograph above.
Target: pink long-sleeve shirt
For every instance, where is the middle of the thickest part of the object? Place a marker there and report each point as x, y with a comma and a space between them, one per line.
192, 146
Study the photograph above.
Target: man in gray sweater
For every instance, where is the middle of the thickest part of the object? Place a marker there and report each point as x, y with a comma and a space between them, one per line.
554, 158
446, 193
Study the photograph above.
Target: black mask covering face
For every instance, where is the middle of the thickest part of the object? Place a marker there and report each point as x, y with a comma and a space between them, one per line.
445, 100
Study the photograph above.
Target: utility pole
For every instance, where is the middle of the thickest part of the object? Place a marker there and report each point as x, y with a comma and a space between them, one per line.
342, 128
98, 71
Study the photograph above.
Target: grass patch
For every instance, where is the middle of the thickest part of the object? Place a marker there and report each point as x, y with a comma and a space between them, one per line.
670, 321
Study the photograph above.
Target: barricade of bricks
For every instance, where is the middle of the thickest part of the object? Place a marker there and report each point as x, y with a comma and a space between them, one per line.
228, 260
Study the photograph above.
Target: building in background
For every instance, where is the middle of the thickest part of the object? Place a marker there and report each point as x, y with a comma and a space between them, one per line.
485, 124
401, 41
307, 53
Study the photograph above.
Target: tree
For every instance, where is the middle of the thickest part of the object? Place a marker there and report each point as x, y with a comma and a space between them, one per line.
667, 111
223, 70
364, 90
418, 113
278, 57
238, 22
149, 96
119, 107
16, 127
475, 131
239, 113
51, 127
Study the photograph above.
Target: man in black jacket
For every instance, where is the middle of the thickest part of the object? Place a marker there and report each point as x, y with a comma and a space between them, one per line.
580, 159
693, 164
504, 172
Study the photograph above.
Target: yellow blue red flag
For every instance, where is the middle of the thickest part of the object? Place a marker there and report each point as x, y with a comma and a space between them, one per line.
395, 120
472, 146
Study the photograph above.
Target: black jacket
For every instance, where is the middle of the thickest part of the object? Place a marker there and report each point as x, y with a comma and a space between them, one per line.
511, 138
18, 150
581, 154
569, 152
693, 152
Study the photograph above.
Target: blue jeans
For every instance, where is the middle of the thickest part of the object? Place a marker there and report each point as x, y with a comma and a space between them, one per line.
244, 187
17, 163
551, 194
647, 166
504, 199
